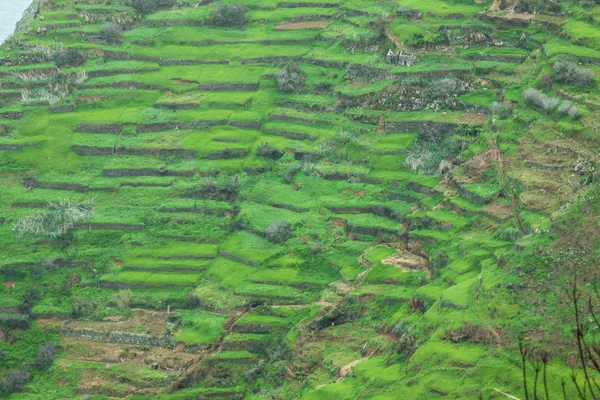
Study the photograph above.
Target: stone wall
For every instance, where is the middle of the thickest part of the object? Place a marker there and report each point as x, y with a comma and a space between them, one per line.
131, 151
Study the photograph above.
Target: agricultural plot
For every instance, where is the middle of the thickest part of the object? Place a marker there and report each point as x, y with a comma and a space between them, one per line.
272, 206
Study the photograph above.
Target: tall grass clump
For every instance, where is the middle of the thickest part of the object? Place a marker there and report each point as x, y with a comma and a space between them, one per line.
432, 157
54, 221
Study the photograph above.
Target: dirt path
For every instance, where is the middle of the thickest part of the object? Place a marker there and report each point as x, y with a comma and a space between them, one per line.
392, 37
345, 370
192, 372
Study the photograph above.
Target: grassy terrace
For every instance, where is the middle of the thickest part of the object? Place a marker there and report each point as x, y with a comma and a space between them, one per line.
382, 231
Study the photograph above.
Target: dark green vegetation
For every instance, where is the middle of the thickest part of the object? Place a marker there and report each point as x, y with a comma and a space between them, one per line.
248, 202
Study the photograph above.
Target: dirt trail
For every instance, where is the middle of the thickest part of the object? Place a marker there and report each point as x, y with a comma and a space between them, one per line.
393, 37
192, 372
345, 370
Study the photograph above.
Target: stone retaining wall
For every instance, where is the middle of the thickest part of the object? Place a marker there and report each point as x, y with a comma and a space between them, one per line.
98, 128
171, 125
116, 337
227, 154
227, 87
289, 134
176, 106
130, 151
420, 127
298, 120
237, 258
88, 226
246, 124
62, 109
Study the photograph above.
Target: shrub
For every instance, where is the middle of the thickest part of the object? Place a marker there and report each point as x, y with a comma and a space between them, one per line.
509, 234
315, 247
567, 71
443, 88
192, 300
209, 187
111, 32
55, 220
568, 108
266, 151
290, 78
45, 355
150, 6
546, 81
229, 15
15, 380
278, 232
123, 299
430, 157
502, 110
84, 307
540, 101
288, 176
69, 58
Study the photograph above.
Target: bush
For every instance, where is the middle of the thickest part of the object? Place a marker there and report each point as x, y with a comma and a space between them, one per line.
509, 234
229, 16
15, 380
192, 300
502, 110
69, 58
540, 101
290, 78
84, 307
431, 157
315, 247
288, 176
45, 355
111, 32
209, 187
568, 108
150, 6
443, 88
266, 151
123, 300
278, 232
546, 81
567, 71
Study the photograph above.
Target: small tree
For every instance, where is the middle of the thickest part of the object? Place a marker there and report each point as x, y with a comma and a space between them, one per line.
55, 221
229, 16
45, 355
150, 6
111, 32
15, 380
123, 300
290, 78
278, 232
69, 58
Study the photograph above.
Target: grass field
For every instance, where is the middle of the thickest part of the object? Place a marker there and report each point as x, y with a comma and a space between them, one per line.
382, 231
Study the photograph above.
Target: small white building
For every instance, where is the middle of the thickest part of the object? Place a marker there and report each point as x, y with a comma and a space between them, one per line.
399, 58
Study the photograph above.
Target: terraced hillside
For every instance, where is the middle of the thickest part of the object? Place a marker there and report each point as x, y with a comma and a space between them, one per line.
275, 210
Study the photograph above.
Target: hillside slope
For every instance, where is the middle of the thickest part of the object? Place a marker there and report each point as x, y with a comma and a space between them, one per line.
378, 231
